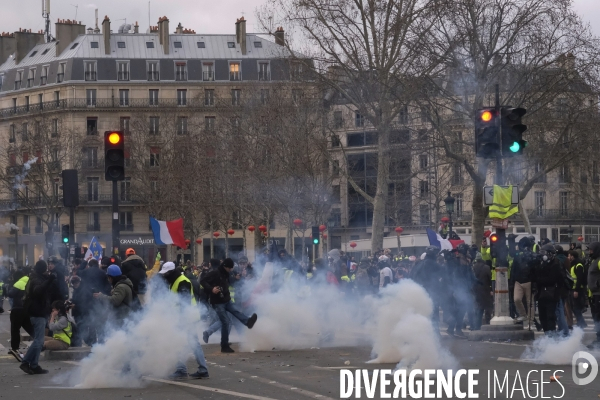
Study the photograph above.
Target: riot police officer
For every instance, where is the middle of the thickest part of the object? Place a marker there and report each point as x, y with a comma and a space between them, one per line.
547, 276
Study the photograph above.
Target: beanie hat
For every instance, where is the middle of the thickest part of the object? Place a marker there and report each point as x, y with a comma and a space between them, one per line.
228, 263
40, 267
113, 270
478, 257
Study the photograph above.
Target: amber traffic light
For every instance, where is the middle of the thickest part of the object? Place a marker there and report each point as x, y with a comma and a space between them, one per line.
114, 156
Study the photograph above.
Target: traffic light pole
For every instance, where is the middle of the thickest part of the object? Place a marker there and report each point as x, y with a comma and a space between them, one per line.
71, 234
115, 219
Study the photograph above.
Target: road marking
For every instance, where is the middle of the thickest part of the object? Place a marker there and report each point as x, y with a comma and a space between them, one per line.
333, 368
207, 388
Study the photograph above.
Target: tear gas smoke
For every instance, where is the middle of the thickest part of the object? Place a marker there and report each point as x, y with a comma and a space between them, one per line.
21, 177
7, 227
555, 350
151, 343
404, 332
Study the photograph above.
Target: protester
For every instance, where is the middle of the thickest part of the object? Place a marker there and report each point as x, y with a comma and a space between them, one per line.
134, 268
121, 296
61, 328
18, 315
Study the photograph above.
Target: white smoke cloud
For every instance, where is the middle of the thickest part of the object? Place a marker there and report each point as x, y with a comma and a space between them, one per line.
21, 177
7, 227
555, 350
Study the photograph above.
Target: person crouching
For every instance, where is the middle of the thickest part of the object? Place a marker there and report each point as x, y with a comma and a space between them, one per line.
62, 330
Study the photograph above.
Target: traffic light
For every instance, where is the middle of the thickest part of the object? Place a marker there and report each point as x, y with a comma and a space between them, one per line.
114, 156
316, 235
512, 131
65, 234
486, 133
494, 245
70, 188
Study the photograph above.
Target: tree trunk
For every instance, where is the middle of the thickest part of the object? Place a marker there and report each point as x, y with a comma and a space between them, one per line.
479, 210
380, 198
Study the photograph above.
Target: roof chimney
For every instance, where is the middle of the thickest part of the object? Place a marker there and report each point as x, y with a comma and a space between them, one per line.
8, 45
237, 31
179, 29
66, 32
96, 29
136, 28
106, 34
25, 41
280, 36
163, 33
242, 41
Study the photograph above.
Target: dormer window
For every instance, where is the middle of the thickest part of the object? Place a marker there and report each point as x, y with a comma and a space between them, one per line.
94, 45
201, 45
33, 54
75, 45
45, 51
177, 45
121, 45
231, 45
149, 45
258, 45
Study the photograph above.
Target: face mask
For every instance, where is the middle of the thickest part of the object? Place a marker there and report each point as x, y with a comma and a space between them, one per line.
545, 258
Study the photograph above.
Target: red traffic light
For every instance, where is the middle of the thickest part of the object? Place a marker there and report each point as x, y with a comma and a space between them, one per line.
494, 238
486, 116
114, 138
113, 260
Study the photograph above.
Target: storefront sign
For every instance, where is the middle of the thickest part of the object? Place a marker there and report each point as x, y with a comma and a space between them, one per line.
138, 241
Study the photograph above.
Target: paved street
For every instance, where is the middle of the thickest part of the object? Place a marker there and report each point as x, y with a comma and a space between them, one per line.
312, 373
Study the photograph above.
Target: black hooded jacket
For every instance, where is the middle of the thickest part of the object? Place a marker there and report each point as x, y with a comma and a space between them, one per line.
135, 269
37, 294
94, 279
218, 277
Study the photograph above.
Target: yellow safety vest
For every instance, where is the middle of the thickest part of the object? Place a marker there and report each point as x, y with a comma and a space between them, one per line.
288, 275
309, 275
1, 288
502, 206
65, 335
175, 286
232, 293
345, 279
573, 275
21, 283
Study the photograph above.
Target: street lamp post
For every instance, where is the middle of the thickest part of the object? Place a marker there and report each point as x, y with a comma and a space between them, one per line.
450, 209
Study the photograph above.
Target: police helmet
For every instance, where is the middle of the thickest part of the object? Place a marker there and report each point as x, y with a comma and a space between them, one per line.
431, 252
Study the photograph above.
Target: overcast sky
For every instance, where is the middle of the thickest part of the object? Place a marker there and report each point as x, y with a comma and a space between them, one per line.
203, 16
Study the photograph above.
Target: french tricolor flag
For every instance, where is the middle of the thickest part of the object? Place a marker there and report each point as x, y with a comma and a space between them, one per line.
168, 232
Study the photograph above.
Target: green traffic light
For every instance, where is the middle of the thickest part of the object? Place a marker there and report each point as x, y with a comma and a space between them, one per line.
315, 241
65, 240
515, 147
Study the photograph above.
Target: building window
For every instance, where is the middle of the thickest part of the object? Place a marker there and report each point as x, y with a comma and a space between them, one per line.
153, 123
123, 97
90, 70
92, 126
124, 124
200, 45
563, 203
153, 74
13, 134
25, 132
126, 190
181, 97
209, 123
457, 146
425, 115
60, 76
592, 234
335, 141
264, 72
121, 45
153, 97
54, 132
457, 176
123, 71
154, 156
540, 203
91, 159
180, 71
264, 96
18, 80
234, 122
27, 103
208, 72
595, 173
403, 115
296, 71
424, 214
423, 188
154, 186
149, 45
297, 95
182, 125
338, 120
94, 45
236, 95
44, 76
92, 189
539, 169
209, 97
90, 95
30, 77
359, 120
231, 45
423, 161
93, 221
458, 205
258, 45
126, 220
234, 71
57, 98
563, 174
